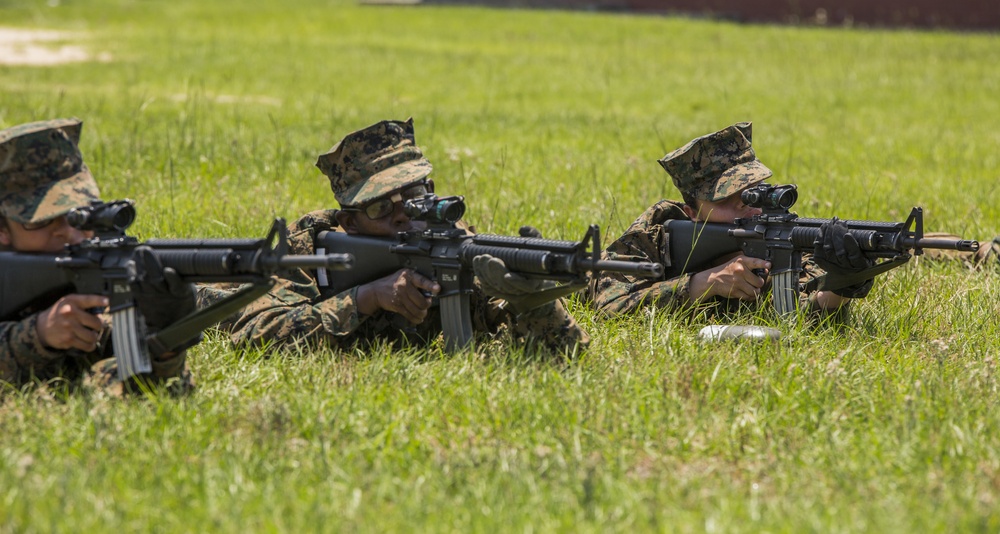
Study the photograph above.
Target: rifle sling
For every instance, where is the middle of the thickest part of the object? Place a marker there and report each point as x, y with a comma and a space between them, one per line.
187, 331
525, 303
832, 282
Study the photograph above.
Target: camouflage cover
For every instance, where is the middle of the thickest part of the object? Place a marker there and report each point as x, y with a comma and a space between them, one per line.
42, 174
373, 162
297, 310
717, 165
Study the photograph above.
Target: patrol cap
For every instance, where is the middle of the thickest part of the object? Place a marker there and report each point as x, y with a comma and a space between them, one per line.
716, 165
42, 174
373, 162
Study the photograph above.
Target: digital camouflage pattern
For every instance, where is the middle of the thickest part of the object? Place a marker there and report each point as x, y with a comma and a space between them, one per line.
297, 310
717, 165
373, 162
647, 240
172, 374
25, 360
42, 174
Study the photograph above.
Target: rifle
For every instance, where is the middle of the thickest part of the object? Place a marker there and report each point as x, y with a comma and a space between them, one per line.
444, 252
781, 237
102, 266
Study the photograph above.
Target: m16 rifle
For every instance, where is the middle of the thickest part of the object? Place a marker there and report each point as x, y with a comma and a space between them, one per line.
103, 265
781, 237
444, 252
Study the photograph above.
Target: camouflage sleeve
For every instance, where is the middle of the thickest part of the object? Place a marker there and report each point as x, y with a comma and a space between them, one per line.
550, 325
22, 351
616, 293
294, 308
808, 280
645, 240
554, 327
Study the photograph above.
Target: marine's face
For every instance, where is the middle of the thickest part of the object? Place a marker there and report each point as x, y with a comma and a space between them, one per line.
388, 225
384, 216
48, 236
723, 211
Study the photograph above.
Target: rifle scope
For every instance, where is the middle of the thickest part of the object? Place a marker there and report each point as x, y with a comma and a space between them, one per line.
103, 216
770, 197
435, 209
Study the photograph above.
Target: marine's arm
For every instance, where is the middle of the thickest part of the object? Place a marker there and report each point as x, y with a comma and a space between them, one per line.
553, 326
645, 240
32, 343
549, 324
295, 308
21, 349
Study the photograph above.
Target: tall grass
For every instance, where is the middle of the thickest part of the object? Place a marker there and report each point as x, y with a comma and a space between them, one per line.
211, 115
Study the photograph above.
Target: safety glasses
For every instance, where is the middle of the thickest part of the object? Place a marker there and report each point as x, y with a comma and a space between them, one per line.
383, 206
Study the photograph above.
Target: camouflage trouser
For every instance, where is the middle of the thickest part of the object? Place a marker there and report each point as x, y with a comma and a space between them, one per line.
988, 254
173, 375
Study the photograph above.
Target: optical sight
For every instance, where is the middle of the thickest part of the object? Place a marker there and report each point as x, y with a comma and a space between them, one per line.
103, 217
770, 197
435, 209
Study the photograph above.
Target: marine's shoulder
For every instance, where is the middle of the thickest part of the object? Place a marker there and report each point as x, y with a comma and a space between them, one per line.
657, 214
315, 221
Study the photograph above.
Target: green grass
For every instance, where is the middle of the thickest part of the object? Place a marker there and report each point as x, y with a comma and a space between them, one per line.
211, 115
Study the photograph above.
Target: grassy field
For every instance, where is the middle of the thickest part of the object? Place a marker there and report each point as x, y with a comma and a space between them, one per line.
211, 114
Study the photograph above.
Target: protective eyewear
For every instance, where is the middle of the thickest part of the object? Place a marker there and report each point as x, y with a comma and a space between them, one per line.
38, 225
384, 206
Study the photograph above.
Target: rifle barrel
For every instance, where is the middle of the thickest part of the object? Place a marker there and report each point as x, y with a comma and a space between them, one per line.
965, 245
644, 269
335, 262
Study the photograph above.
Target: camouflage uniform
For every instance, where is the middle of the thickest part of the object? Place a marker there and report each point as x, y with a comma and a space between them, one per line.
366, 165
711, 168
42, 176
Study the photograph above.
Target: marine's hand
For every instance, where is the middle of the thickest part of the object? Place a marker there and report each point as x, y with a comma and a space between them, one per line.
838, 252
734, 279
160, 293
405, 292
69, 324
529, 231
498, 281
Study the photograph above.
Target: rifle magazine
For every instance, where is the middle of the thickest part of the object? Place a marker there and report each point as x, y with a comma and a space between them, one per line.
456, 322
128, 335
785, 293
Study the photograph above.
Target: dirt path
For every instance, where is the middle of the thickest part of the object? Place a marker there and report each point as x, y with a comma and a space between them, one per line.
40, 48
